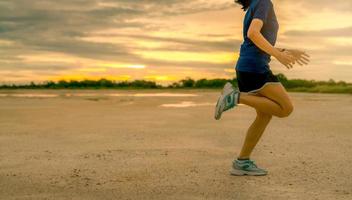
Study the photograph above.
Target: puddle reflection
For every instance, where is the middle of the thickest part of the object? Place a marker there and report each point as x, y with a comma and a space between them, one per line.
186, 104
43, 95
153, 95
30, 95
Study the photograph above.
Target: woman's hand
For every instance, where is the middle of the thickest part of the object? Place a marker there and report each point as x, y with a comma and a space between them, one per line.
301, 57
285, 58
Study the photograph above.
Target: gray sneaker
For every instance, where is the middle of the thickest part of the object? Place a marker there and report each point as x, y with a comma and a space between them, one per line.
246, 167
227, 100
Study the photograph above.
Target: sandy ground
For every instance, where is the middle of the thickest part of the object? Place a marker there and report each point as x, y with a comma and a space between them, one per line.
128, 146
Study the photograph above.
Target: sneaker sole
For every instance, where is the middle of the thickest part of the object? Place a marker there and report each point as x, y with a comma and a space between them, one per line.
226, 91
217, 108
237, 172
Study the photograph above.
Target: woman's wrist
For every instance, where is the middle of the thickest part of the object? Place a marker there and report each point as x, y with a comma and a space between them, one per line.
281, 49
277, 52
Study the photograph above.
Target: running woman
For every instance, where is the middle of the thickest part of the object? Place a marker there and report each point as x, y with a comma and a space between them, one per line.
258, 87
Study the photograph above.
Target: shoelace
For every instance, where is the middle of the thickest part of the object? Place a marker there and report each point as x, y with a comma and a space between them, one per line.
252, 163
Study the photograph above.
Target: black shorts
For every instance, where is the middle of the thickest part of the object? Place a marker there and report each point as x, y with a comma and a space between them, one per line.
252, 82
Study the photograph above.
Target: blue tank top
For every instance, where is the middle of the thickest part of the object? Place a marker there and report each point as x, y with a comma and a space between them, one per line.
253, 59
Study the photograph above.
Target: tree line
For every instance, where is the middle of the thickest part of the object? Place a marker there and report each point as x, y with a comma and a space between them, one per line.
290, 84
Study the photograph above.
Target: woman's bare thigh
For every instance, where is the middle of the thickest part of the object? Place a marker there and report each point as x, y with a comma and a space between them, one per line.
277, 93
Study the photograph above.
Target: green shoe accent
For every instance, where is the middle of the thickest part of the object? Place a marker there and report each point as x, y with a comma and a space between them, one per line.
246, 167
231, 100
227, 100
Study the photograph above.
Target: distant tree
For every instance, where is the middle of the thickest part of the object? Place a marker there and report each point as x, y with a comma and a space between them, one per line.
32, 85
331, 82
214, 83
187, 83
174, 85
281, 77
343, 83
330, 86
62, 84
105, 83
144, 84
49, 85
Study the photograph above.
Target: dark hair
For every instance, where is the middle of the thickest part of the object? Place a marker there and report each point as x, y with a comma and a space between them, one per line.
243, 3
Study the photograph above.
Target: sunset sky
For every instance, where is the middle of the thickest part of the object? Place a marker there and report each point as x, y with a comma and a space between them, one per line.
162, 40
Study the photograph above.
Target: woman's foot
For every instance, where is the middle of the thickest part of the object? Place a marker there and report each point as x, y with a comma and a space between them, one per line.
227, 100
246, 167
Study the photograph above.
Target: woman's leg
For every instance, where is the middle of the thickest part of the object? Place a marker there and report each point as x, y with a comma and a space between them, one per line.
271, 100
254, 133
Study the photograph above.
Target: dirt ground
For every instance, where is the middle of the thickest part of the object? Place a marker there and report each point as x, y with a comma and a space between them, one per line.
110, 144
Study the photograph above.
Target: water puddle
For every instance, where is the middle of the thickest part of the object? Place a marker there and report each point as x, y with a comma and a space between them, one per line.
30, 95
154, 95
43, 95
187, 104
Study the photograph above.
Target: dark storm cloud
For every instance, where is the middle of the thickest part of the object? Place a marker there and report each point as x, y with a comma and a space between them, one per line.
183, 44
48, 67
160, 64
58, 26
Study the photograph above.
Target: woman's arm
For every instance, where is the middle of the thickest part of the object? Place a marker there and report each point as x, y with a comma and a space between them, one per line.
258, 39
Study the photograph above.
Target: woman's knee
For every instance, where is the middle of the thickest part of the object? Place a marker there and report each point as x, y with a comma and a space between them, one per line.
278, 94
287, 110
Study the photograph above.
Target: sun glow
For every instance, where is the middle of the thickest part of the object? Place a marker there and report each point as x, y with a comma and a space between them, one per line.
160, 78
80, 77
179, 56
